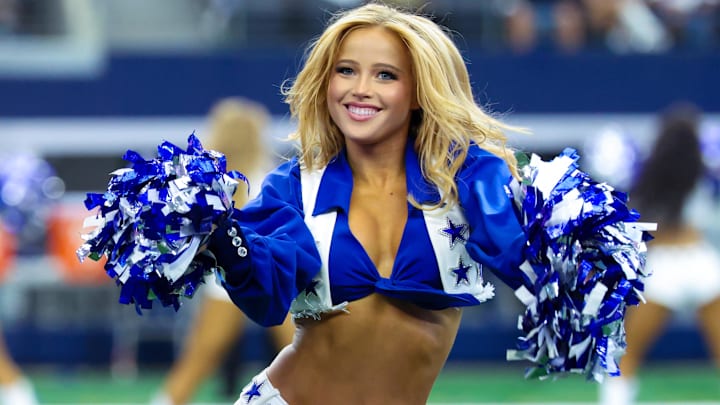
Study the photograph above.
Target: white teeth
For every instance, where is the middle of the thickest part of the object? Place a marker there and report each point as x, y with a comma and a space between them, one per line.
366, 111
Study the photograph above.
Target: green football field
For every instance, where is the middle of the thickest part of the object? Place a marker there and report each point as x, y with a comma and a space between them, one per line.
466, 384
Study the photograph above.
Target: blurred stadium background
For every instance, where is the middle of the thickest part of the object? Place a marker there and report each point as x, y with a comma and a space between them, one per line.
81, 81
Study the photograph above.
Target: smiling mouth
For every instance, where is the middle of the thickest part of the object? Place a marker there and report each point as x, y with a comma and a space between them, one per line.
362, 112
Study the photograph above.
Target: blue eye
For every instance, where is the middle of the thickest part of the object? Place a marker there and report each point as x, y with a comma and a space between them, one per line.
344, 70
387, 76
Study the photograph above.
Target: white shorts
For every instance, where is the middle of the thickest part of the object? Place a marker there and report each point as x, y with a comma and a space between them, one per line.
683, 278
260, 392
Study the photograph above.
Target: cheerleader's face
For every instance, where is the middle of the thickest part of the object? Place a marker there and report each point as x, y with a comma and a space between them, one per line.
372, 91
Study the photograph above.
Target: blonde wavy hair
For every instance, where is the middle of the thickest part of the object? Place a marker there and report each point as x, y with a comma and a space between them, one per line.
448, 121
236, 128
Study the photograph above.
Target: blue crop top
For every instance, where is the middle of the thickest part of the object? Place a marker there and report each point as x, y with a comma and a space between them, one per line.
284, 261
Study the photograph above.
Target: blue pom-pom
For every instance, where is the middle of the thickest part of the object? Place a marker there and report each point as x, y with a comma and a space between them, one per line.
154, 219
612, 155
29, 189
585, 263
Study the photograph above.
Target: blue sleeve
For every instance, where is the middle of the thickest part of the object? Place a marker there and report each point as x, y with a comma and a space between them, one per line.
282, 257
496, 236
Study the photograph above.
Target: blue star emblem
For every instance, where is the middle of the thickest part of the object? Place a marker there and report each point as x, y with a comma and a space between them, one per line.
253, 392
311, 289
456, 232
461, 272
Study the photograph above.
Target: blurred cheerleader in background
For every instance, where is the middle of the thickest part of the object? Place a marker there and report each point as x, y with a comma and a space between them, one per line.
685, 266
237, 129
29, 188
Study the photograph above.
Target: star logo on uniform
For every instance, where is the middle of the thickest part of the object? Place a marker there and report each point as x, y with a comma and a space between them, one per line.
461, 273
456, 232
253, 392
311, 288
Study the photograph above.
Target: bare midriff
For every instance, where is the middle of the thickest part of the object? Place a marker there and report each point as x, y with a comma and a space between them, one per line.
382, 352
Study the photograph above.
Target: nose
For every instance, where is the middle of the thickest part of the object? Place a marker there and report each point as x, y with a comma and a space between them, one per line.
362, 87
